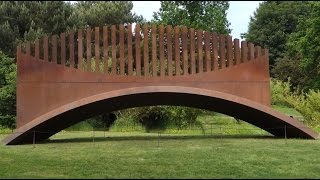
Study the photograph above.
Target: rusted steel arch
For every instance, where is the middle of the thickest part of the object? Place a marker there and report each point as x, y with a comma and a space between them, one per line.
57, 84
244, 109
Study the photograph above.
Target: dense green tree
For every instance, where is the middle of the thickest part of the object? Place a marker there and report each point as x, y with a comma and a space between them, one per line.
18, 18
205, 15
7, 91
28, 20
305, 42
273, 22
301, 62
287, 68
99, 13
21, 21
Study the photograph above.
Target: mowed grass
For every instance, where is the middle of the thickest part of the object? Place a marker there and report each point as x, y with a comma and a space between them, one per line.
141, 155
222, 148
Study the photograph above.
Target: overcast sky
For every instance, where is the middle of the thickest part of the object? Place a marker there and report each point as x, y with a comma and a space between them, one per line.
238, 14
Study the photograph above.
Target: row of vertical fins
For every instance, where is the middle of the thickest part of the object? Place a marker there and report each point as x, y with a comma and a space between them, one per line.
121, 50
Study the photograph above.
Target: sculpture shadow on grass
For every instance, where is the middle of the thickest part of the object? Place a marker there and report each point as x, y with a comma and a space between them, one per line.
155, 137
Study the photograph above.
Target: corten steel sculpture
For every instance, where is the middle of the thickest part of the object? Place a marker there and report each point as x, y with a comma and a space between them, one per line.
150, 66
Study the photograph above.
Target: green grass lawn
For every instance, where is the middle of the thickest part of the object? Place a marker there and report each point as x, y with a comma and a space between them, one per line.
288, 111
141, 155
221, 148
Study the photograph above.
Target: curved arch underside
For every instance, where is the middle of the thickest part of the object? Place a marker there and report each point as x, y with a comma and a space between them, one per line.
244, 109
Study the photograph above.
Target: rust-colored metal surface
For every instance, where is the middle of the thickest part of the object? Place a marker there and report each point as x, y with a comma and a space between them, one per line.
63, 81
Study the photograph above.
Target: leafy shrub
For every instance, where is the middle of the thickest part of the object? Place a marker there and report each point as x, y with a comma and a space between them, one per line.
154, 118
126, 123
161, 117
182, 117
279, 92
104, 121
5, 130
308, 105
81, 126
305, 103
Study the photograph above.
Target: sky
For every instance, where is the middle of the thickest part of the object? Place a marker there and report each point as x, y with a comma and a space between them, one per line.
238, 14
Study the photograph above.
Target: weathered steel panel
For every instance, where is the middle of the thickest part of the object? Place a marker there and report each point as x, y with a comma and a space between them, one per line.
51, 97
